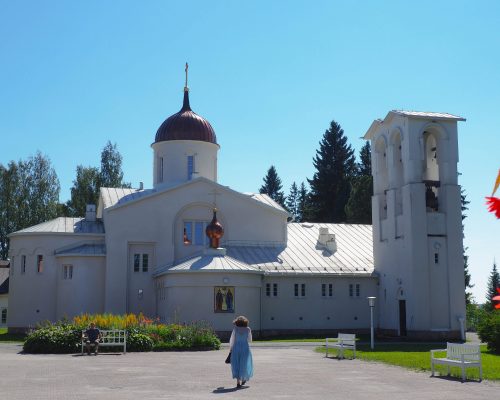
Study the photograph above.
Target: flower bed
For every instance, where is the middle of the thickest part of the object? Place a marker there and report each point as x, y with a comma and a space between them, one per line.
143, 334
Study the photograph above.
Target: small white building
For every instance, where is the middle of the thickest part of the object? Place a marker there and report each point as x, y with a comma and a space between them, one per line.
4, 292
146, 250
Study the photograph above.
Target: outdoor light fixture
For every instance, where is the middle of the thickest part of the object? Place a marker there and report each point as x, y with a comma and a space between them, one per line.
371, 303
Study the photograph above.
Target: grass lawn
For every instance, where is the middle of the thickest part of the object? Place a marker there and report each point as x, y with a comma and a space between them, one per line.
6, 337
417, 357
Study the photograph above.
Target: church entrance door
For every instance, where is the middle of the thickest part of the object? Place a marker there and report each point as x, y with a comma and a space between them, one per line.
402, 318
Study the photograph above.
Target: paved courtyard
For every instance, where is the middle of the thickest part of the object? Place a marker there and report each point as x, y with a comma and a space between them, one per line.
291, 372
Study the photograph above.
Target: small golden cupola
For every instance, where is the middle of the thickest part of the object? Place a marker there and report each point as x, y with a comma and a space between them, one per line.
214, 231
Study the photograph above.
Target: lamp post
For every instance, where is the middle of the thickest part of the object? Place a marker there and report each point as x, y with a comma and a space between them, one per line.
371, 303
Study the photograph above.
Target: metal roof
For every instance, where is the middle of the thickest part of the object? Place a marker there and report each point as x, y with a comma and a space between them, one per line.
413, 114
65, 225
84, 249
206, 262
431, 115
186, 125
302, 255
114, 196
264, 198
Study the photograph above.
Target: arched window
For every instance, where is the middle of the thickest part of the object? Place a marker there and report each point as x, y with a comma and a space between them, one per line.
431, 170
397, 170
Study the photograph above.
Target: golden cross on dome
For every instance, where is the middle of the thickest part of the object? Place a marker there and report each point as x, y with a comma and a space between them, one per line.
186, 69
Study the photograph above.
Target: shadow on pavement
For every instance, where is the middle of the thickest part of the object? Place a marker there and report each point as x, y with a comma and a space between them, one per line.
222, 389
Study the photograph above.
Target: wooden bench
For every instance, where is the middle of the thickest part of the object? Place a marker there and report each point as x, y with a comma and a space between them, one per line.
341, 342
115, 337
459, 355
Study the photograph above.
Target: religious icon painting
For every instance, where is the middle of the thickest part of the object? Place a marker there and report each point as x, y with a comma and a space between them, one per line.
224, 299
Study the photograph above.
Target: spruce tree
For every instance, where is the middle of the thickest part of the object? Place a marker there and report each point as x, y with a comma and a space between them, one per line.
365, 157
491, 288
303, 203
292, 201
359, 206
330, 186
467, 276
272, 186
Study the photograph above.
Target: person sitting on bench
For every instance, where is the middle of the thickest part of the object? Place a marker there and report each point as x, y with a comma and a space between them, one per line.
92, 336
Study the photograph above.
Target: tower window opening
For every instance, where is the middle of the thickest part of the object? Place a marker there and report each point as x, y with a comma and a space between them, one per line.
39, 263
436, 258
190, 167
160, 169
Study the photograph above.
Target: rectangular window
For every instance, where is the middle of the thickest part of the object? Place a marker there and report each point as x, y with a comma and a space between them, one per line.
4, 315
67, 272
39, 263
323, 289
357, 289
330, 289
199, 233
268, 289
160, 169
188, 233
190, 161
23, 264
351, 290
302, 288
275, 289
436, 258
137, 260
145, 262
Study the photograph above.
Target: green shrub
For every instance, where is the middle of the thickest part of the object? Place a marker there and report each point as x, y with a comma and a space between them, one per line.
143, 334
53, 339
137, 341
489, 331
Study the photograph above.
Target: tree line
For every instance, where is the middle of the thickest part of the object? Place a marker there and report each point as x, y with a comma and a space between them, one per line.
340, 189
29, 191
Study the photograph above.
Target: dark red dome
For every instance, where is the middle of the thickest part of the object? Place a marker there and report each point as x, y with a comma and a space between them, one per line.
186, 125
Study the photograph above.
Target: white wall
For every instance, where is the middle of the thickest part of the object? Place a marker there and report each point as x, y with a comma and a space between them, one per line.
33, 295
175, 153
84, 293
190, 297
287, 312
158, 220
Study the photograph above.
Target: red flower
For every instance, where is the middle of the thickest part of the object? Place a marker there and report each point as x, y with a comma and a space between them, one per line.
497, 298
493, 204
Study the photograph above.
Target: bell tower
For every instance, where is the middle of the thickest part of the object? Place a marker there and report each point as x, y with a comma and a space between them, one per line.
417, 225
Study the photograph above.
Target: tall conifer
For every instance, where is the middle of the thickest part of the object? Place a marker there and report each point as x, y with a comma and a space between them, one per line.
292, 201
330, 186
491, 288
272, 186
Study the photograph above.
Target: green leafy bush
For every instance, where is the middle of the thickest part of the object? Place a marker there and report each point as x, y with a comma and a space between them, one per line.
489, 331
143, 334
53, 339
137, 341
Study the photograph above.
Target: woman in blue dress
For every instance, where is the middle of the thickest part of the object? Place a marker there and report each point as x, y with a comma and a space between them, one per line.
241, 356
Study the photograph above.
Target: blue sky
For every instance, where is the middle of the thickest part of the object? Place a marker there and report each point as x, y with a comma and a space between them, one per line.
269, 76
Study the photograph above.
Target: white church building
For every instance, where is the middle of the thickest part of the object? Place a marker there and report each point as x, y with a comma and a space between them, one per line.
147, 250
